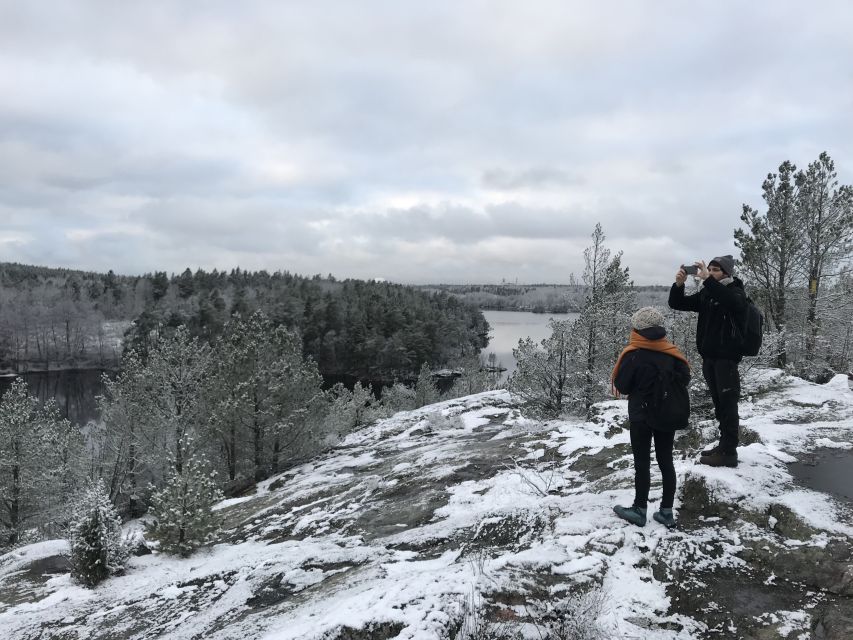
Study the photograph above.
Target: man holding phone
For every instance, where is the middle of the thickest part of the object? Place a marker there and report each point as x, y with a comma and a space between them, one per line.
722, 308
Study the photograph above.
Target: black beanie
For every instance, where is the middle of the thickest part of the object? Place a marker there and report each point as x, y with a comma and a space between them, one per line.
726, 263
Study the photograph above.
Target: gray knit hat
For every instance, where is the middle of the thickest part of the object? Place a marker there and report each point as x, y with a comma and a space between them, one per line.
726, 263
646, 317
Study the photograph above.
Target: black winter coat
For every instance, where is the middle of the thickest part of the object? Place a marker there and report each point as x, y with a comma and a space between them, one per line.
722, 317
637, 374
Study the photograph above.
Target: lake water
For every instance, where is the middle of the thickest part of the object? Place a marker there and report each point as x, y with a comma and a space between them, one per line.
508, 327
74, 392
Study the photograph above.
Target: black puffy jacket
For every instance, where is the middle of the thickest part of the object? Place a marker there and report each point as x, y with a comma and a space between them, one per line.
722, 317
637, 375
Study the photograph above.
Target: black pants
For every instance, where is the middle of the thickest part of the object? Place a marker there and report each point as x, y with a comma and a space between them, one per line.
723, 380
641, 445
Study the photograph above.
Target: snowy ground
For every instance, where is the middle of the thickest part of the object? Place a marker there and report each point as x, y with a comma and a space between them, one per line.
394, 530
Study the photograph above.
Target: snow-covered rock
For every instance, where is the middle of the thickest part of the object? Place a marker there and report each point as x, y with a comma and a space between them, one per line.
393, 531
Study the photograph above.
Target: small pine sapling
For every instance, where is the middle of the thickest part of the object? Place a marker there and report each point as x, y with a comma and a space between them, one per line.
97, 548
183, 519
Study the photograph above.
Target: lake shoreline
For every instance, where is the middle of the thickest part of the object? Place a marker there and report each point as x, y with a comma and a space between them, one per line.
508, 327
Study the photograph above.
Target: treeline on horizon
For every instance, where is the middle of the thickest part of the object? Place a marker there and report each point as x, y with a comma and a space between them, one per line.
539, 298
367, 330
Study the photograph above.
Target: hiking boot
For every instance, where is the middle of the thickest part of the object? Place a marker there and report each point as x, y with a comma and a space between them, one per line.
634, 515
711, 451
664, 516
720, 459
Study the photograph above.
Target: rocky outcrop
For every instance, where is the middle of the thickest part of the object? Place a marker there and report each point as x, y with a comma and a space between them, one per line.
383, 536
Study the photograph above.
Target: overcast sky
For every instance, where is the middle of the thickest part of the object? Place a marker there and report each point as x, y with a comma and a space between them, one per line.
459, 141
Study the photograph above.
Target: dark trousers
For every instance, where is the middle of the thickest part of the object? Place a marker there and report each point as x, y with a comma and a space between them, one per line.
723, 381
641, 445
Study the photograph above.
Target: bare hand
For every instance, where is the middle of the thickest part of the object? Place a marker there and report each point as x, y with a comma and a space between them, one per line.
702, 270
680, 277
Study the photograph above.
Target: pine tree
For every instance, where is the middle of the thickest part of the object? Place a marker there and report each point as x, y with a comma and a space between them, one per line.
267, 396
602, 326
182, 517
771, 250
35, 459
397, 397
792, 253
542, 381
425, 390
349, 410
179, 369
826, 214
97, 549
124, 456
475, 378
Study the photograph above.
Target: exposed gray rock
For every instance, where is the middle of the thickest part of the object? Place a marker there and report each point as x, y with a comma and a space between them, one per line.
834, 622
699, 500
50, 565
374, 631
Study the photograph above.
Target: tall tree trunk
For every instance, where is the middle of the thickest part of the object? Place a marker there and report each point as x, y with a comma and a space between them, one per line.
131, 474
276, 449
179, 450
15, 505
590, 368
778, 309
811, 315
257, 433
231, 451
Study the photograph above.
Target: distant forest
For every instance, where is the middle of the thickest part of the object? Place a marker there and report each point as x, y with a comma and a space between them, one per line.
59, 318
538, 298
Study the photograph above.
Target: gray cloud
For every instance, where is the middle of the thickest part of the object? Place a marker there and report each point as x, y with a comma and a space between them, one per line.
443, 141
540, 177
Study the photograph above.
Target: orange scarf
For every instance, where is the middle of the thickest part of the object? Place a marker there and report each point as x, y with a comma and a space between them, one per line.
636, 341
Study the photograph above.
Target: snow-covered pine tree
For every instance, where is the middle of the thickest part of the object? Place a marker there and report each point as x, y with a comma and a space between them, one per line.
543, 376
94, 535
121, 443
794, 256
35, 462
397, 397
425, 390
179, 368
825, 211
299, 408
601, 330
266, 398
771, 252
349, 410
182, 517
150, 413
478, 374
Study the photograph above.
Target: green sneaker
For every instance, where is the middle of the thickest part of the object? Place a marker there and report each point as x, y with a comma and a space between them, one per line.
634, 515
664, 516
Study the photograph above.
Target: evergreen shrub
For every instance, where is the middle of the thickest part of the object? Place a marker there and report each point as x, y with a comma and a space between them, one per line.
97, 548
182, 515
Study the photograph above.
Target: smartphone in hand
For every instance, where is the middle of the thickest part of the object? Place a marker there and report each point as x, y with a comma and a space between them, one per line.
690, 269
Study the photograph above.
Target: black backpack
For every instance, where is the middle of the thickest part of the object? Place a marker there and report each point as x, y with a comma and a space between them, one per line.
754, 333
751, 333
667, 406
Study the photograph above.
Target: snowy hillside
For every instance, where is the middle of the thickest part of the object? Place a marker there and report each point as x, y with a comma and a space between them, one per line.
393, 531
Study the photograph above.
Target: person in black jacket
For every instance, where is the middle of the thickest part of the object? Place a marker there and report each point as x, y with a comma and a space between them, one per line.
722, 308
636, 373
